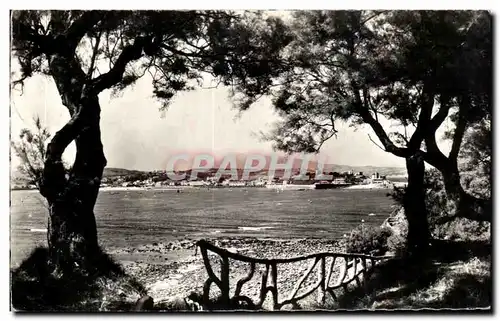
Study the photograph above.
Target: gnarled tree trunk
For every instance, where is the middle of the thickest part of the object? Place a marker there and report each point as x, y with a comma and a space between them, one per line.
72, 233
414, 206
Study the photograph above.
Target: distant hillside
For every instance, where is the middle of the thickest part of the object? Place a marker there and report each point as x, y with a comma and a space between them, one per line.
17, 178
113, 171
240, 159
368, 170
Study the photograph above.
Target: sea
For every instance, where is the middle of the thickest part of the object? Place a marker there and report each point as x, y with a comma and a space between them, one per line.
129, 218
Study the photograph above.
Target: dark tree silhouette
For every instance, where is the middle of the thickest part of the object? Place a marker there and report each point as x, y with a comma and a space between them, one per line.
415, 69
88, 52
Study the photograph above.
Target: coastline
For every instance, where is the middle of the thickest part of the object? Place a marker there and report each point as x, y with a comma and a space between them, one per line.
377, 186
171, 271
187, 187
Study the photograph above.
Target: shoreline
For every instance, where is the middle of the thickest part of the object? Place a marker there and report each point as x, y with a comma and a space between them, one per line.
170, 271
184, 187
377, 186
175, 269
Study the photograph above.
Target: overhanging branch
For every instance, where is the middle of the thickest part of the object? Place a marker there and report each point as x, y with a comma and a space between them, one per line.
365, 114
424, 119
375, 143
81, 26
114, 76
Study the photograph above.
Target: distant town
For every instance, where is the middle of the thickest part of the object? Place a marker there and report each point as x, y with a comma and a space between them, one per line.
158, 179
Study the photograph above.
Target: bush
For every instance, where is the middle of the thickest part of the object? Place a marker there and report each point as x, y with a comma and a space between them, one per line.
34, 286
369, 240
463, 229
436, 199
435, 196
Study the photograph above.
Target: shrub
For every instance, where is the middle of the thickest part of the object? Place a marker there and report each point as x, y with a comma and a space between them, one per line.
463, 229
436, 199
368, 240
435, 196
105, 287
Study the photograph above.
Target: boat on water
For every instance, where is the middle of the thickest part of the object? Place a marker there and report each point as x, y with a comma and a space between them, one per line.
329, 185
290, 186
304, 186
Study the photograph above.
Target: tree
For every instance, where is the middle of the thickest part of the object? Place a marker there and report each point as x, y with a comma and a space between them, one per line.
475, 159
88, 52
31, 150
370, 67
471, 108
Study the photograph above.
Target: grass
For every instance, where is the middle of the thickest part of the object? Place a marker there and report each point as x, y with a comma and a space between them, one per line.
455, 275
34, 287
461, 279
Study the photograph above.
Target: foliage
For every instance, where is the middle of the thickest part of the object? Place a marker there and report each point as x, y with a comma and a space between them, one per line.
463, 229
88, 52
475, 159
411, 70
397, 242
436, 199
31, 149
438, 206
368, 240
404, 284
397, 194
365, 66
105, 288
176, 49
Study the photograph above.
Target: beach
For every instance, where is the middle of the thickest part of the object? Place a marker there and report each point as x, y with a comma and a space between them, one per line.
171, 271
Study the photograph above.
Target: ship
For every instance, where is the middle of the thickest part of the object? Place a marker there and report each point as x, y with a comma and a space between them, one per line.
329, 185
285, 185
305, 185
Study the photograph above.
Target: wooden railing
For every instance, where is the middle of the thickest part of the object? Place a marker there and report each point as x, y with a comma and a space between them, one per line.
355, 268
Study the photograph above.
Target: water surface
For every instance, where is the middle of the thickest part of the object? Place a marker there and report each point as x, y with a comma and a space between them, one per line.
131, 218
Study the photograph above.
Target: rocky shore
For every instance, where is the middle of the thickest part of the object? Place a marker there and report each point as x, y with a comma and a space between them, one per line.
171, 271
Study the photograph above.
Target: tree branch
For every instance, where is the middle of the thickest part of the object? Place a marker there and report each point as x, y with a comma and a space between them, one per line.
94, 55
81, 26
441, 115
424, 118
434, 156
365, 114
458, 135
115, 74
376, 143
53, 178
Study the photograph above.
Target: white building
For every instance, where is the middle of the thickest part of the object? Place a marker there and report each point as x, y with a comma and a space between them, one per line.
339, 181
377, 181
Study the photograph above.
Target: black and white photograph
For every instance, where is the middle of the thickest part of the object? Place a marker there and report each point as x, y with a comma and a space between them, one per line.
250, 161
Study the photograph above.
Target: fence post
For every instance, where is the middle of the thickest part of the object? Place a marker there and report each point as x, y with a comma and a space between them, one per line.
224, 277
321, 278
274, 277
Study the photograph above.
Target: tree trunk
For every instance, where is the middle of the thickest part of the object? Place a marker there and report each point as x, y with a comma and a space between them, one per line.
72, 233
465, 205
414, 206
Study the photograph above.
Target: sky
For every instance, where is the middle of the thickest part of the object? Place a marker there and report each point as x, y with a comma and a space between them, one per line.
136, 135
